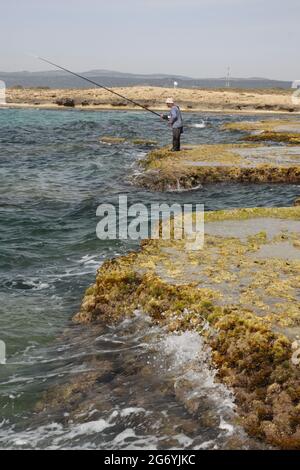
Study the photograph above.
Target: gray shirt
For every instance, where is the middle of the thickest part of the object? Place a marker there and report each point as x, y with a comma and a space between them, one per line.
175, 117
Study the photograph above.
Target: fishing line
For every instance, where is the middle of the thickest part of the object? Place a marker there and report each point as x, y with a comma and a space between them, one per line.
201, 125
98, 85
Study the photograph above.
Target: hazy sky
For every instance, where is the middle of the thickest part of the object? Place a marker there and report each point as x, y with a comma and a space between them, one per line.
199, 38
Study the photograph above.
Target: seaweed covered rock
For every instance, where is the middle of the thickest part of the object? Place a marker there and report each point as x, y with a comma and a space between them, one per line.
202, 164
276, 130
109, 139
240, 293
145, 142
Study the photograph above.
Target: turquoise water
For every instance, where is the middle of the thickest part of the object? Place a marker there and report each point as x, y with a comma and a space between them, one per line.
54, 173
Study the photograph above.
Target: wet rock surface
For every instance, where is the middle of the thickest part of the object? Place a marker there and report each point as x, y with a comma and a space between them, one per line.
239, 293
156, 390
203, 164
276, 130
115, 140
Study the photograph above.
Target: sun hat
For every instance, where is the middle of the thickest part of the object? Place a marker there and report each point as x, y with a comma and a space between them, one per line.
169, 101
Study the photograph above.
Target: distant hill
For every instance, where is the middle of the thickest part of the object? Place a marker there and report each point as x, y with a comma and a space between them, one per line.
60, 79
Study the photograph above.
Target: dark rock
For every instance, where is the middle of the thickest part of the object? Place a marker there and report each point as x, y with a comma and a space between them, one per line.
68, 102
297, 201
119, 103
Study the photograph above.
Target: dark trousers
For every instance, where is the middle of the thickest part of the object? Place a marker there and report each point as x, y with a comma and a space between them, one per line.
177, 131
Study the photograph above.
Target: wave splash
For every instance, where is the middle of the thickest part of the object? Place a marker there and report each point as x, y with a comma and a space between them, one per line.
157, 390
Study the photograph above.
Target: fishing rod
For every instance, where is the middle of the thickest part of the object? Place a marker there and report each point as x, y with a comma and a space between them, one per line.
98, 85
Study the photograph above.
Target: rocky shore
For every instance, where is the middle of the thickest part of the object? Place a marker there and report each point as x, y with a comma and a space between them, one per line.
213, 100
261, 161
240, 293
275, 130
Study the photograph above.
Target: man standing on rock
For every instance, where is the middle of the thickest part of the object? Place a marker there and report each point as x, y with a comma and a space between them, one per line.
175, 121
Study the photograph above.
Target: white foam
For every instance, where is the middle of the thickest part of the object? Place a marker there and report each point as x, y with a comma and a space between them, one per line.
189, 358
176, 357
205, 445
199, 125
183, 440
121, 438
89, 428
183, 348
131, 410
60, 436
226, 427
180, 189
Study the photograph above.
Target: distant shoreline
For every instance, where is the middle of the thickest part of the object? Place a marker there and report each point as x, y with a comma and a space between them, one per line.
54, 107
229, 101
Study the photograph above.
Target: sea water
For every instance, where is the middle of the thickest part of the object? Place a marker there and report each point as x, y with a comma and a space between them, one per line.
54, 173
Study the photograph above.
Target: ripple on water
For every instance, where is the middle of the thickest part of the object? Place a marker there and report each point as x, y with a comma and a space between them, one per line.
155, 391
54, 174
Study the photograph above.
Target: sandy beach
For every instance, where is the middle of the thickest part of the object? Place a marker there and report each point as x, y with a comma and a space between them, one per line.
205, 100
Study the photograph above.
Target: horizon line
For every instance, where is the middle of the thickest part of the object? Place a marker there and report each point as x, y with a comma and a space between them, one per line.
162, 74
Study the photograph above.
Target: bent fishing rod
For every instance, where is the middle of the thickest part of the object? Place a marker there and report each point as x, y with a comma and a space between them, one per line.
98, 85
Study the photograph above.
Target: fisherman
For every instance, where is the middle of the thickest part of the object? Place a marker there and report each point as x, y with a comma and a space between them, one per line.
175, 121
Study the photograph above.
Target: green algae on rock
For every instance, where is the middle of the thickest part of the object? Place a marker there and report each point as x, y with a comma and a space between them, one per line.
108, 139
277, 130
146, 142
246, 306
200, 164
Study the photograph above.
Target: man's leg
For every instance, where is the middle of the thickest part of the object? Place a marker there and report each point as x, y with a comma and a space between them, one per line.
176, 139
